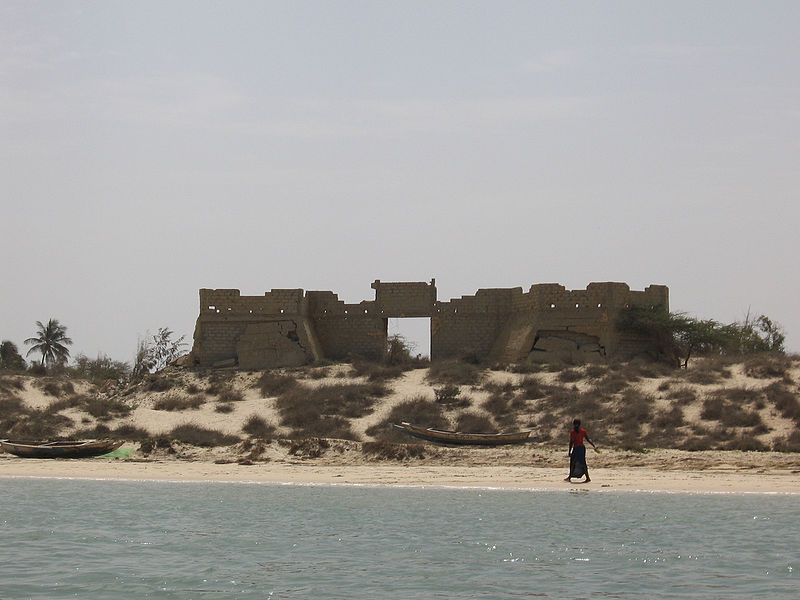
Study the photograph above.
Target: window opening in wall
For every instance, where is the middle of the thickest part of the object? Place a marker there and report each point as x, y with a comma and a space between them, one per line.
415, 330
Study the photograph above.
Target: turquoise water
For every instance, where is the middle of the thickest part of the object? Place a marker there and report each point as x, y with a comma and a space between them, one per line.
100, 539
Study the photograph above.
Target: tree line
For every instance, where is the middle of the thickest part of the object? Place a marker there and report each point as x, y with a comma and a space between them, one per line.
679, 337
51, 343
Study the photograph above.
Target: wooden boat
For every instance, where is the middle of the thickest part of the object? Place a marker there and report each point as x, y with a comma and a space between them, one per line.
65, 449
456, 437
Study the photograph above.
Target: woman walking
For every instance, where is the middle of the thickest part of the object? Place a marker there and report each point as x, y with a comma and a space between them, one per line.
577, 452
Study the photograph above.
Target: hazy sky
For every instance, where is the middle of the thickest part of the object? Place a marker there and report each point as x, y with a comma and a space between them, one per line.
153, 148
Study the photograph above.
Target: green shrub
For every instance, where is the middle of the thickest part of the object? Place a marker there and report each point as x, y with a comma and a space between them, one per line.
100, 370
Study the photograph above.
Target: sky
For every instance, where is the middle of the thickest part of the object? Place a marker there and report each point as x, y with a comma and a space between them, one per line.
150, 149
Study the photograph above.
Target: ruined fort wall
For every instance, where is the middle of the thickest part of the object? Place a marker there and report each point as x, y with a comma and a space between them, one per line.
287, 327
469, 325
345, 330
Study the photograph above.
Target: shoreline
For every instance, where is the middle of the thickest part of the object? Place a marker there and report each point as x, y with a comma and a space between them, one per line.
510, 478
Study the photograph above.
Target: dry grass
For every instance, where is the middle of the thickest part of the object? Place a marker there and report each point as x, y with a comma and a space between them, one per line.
767, 365
454, 372
195, 435
531, 388
469, 422
38, 425
382, 450
272, 384
161, 383
418, 410
683, 395
784, 400
324, 411
173, 402
570, 375
789, 443
258, 427
373, 371
729, 414
309, 448
448, 394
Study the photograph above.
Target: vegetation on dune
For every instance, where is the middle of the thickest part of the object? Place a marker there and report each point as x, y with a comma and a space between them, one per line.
51, 342
679, 336
156, 352
454, 372
418, 410
175, 402
10, 358
324, 411
397, 359
196, 435
272, 383
258, 427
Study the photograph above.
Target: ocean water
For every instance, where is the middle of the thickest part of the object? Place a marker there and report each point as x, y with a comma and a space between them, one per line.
115, 539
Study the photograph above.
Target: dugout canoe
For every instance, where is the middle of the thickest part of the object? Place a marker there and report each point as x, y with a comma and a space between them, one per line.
63, 449
456, 437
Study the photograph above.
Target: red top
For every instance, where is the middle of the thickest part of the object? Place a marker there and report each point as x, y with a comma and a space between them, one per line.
576, 437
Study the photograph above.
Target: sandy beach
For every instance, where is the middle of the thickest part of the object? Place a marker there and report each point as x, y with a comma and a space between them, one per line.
705, 450
729, 472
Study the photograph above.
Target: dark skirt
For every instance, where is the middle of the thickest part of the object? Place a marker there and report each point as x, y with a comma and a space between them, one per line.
577, 462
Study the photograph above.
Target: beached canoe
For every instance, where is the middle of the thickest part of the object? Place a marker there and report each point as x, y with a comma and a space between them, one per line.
65, 449
456, 437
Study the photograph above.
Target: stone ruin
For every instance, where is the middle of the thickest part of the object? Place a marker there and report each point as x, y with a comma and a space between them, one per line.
285, 328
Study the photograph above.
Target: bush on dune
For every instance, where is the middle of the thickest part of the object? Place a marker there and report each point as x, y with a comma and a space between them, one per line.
200, 436
417, 410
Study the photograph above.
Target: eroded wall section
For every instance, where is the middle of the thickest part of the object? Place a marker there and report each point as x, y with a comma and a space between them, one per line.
293, 327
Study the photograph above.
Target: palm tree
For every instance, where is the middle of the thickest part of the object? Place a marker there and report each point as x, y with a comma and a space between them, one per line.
51, 341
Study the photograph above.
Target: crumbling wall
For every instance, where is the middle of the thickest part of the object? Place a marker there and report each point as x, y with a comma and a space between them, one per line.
288, 327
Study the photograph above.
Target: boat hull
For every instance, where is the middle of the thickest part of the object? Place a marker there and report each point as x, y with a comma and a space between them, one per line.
71, 449
456, 437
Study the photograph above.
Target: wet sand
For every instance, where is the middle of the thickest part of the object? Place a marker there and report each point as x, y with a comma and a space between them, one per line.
718, 479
